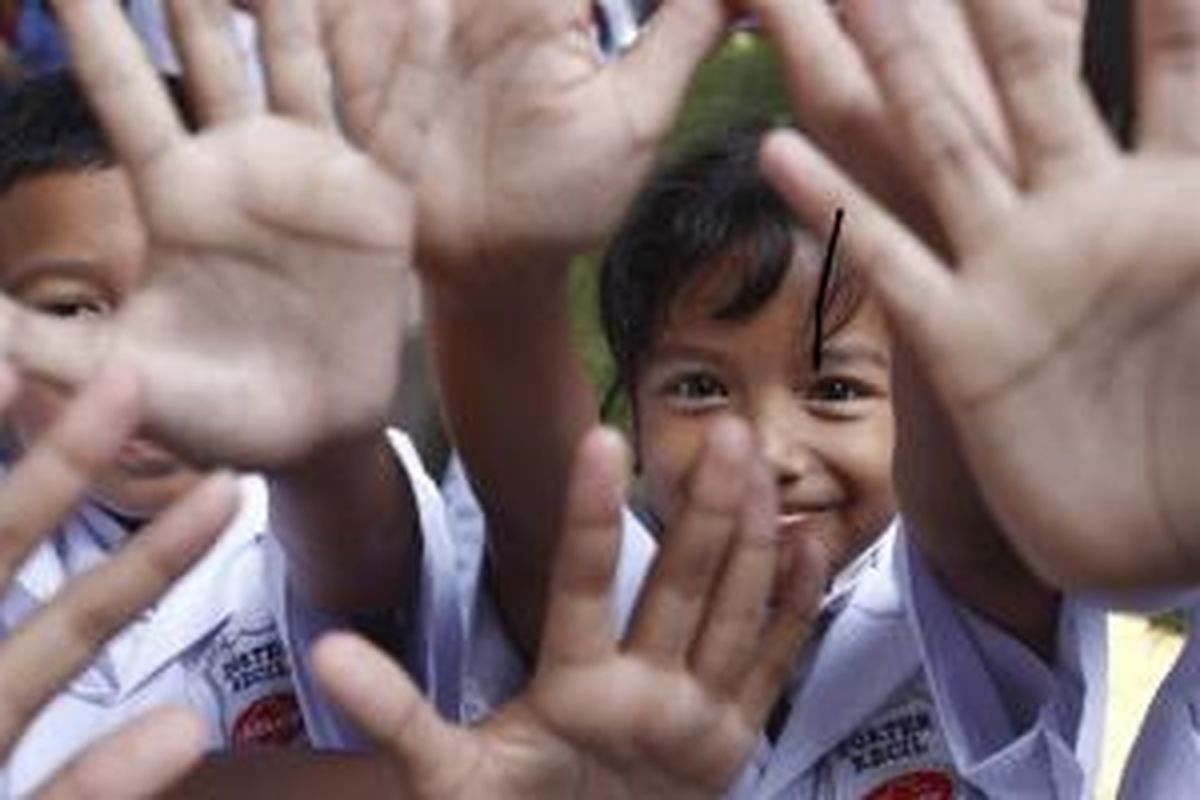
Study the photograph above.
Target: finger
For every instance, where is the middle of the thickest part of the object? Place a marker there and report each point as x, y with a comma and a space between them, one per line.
298, 76
831, 90
961, 175
49, 480
1168, 74
728, 644
382, 699
788, 631
916, 290
60, 639
1056, 131
672, 607
655, 74
363, 38
142, 759
391, 103
121, 83
579, 620
213, 69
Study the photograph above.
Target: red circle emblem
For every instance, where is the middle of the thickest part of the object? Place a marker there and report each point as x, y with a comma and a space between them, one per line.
272, 720
923, 785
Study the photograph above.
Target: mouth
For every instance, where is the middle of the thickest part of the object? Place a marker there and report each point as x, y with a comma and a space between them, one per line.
141, 458
795, 522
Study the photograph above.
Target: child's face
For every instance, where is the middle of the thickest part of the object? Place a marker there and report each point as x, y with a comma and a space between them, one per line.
71, 244
828, 436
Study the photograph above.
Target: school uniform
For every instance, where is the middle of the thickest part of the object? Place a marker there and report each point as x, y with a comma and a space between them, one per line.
903, 692
229, 639
908, 694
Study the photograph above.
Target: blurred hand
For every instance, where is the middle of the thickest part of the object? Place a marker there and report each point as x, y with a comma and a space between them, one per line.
271, 319
674, 710
42, 655
1060, 330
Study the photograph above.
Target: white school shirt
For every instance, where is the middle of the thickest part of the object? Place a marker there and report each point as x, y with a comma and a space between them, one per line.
909, 694
223, 640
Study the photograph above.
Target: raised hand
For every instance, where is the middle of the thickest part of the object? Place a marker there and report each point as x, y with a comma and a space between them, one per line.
47, 650
271, 318
675, 709
1060, 332
539, 143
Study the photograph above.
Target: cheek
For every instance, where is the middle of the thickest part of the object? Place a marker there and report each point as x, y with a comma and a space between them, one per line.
35, 409
869, 462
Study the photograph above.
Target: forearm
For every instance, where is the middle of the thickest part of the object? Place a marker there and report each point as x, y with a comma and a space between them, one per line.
346, 519
288, 773
955, 530
517, 402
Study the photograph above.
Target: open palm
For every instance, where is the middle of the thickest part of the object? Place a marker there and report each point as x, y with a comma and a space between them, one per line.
674, 709
539, 143
272, 315
1061, 340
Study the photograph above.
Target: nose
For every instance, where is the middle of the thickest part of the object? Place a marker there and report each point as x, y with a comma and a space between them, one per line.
782, 434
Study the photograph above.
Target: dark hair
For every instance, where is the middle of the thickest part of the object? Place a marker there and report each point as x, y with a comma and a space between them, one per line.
1108, 64
711, 210
47, 125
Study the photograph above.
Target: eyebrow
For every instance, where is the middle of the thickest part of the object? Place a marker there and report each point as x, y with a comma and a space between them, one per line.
854, 352
672, 351
18, 276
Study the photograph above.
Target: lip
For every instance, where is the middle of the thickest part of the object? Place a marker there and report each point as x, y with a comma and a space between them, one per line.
144, 459
795, 522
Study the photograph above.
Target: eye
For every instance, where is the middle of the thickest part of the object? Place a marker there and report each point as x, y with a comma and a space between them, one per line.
839, 397
835, 389
73, 307
696, 390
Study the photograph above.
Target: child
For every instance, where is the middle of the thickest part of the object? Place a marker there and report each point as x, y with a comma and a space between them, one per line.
714, 304
350, 529
1064, 345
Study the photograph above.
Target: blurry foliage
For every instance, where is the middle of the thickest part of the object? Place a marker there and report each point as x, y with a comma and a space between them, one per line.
741, 83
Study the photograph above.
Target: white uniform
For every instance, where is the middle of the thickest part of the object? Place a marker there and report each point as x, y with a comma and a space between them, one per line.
908, 694
905, 694
223, 640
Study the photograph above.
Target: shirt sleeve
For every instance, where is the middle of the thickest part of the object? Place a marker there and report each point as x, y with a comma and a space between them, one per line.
432, 629
1016, 726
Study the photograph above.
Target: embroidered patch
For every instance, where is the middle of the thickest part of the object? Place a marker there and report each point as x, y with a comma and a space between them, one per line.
899, 753
921, 785
248, 668
273, 720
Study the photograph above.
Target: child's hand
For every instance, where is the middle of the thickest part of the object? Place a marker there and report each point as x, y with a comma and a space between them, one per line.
538, 144
1063, 340
273, 315
49, 649
675, 710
